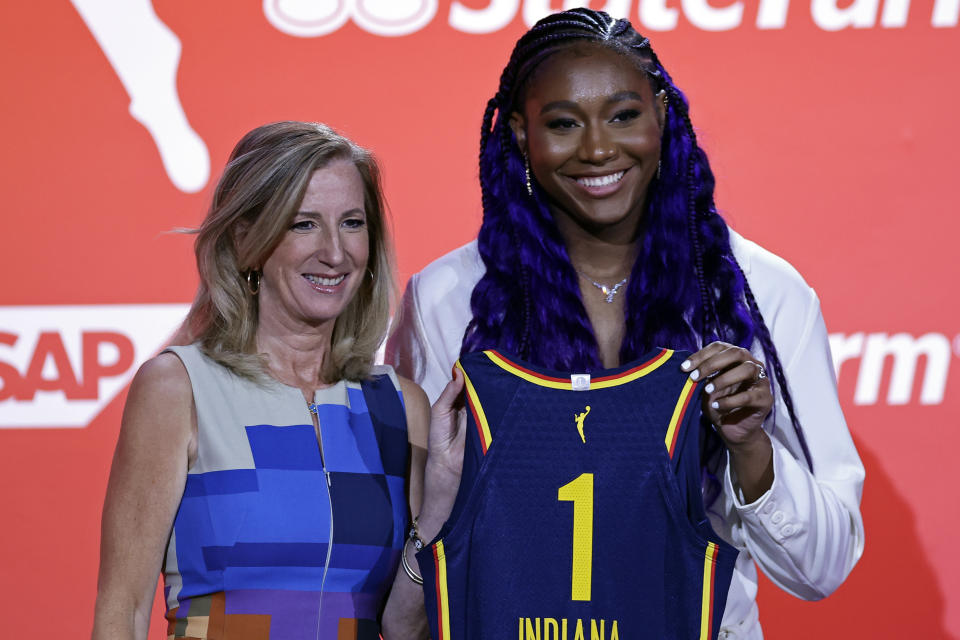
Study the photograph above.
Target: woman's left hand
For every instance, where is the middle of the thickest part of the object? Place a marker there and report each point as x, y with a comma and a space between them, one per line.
736, 395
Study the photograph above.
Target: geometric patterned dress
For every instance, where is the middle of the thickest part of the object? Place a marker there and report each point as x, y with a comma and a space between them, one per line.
274, 536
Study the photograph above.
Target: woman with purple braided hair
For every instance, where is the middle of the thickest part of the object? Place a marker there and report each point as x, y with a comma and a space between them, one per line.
601, 242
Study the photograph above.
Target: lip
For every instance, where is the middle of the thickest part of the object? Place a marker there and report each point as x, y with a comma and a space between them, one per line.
332, 284
604, 188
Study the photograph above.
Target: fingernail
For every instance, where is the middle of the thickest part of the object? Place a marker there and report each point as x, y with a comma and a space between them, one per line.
715, 404
695, 375
709, 388
686, 364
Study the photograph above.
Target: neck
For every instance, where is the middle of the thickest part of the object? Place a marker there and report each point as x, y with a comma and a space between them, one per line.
295, 353
604, 254
605, 262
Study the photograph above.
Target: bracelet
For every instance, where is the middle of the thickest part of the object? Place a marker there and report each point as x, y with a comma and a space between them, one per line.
412, 536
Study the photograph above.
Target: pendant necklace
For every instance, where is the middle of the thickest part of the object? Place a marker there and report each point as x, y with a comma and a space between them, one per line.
608, 292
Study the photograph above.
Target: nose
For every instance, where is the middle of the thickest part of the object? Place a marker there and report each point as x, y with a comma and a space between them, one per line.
596, 145
330, 246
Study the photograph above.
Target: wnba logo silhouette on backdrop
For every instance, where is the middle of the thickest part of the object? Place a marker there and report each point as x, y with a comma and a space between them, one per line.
145, 54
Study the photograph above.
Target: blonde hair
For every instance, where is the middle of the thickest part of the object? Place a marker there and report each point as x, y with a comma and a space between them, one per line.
253, 207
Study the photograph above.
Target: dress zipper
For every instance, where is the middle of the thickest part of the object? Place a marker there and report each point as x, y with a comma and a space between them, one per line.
313, 408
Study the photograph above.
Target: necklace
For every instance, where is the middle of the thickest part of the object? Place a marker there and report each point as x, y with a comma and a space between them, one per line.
608, 292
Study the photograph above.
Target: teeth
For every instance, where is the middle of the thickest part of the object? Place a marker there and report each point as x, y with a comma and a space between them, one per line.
601, 181
327, 282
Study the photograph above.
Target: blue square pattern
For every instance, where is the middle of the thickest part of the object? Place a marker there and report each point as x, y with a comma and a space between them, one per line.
349, 442
292, 506
215, 483
204, 521
289, 447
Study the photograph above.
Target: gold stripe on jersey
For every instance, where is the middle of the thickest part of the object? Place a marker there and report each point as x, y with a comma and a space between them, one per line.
565, 384
479, 417
443, 600
670, 440
706, 607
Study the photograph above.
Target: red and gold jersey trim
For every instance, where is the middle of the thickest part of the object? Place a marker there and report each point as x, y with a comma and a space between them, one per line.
670, 440
709, 577
479, 417
443, 600
602, 382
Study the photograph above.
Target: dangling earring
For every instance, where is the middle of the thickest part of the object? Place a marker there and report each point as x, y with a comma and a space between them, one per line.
666, 106
253, 282
526, 171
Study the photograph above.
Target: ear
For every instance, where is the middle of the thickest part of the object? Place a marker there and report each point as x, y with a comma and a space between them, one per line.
519, 126
237, 234
660, 102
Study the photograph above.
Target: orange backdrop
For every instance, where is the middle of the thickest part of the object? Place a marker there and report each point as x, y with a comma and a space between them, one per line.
831, 126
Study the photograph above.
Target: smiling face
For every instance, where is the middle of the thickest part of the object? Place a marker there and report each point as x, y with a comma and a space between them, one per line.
321, 260
591, 128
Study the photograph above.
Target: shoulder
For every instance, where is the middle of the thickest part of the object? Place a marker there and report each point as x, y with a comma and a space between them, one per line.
160, 405
776, 284
380, 370
414, 399
765, 267
432, 317
788, 304
164, 376
448, 280
461, 264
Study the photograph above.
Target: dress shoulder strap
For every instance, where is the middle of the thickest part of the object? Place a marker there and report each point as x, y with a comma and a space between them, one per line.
383, 397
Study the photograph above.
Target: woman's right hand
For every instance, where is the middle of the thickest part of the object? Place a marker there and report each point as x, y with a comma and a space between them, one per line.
444, 457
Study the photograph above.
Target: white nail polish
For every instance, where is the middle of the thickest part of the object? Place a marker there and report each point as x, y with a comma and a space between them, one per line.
709, 388
685, 365
694, 375
715, 404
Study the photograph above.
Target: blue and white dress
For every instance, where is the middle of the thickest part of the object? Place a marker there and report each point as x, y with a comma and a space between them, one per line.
284, 531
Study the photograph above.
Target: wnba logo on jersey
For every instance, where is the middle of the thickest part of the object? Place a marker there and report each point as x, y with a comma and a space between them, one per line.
579, 418
61, 365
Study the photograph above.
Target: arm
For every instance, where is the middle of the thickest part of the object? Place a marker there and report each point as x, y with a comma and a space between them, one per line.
806, 531
433, 484
157, 440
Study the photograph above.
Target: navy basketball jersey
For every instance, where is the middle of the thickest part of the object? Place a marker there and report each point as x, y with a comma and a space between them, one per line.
579, 515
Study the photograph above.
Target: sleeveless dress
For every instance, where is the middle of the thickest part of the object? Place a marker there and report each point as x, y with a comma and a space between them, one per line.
274, 537
579, 515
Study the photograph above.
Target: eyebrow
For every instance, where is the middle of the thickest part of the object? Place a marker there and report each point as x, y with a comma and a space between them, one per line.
620, 96
317, 214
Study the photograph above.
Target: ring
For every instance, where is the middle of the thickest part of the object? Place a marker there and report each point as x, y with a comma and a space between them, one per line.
761, 372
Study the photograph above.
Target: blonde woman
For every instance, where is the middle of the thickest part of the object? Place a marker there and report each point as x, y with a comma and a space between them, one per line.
268, 467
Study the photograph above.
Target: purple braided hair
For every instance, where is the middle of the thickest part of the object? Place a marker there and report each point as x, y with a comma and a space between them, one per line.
685, 290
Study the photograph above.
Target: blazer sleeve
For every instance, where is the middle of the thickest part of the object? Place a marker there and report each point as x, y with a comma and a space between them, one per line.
806, 533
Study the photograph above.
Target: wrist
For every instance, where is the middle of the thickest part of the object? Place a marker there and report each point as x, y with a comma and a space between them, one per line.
752, 466
429, 522
756, 444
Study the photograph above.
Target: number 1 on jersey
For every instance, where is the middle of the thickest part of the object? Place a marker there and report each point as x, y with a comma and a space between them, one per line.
580, 492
